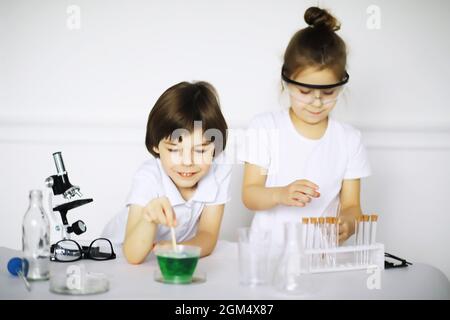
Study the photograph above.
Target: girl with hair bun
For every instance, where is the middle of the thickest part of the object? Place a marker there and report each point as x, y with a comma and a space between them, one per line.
306, 164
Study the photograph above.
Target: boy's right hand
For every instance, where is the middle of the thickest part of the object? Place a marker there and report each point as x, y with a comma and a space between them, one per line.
298, 193
160, 211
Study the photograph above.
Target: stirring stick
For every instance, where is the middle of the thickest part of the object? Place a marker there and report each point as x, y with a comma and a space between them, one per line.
174, 241
338, 214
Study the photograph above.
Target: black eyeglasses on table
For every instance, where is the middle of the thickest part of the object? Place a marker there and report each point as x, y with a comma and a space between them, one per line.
67, 250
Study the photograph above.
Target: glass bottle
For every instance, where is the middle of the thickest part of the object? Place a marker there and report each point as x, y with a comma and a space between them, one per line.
36, 239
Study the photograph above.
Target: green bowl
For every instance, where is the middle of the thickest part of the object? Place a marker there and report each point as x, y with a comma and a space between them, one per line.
177, 266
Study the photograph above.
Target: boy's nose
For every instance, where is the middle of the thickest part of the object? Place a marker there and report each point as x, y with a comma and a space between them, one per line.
187, 158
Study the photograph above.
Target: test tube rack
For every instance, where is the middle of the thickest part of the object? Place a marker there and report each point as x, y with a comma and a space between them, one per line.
344, 258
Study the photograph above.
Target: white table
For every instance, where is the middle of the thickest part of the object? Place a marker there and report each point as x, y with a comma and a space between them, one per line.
419, 281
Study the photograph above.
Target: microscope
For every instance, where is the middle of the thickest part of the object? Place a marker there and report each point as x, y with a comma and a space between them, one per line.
57, 185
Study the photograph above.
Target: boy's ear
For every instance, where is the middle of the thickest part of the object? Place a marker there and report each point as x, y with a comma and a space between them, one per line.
156, 149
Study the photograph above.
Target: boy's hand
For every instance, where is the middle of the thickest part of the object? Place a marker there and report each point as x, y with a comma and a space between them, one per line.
298, 193
346, 227
160, 211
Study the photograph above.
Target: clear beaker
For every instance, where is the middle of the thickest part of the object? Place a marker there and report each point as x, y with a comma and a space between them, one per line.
253, 256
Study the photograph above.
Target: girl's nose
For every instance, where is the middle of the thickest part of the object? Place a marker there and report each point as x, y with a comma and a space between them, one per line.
317, 99
317, 102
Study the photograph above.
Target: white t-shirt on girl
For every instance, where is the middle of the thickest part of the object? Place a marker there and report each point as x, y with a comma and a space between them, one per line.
151, 181
273, 143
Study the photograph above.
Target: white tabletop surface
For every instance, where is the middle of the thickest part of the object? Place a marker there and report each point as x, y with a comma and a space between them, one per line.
419, 281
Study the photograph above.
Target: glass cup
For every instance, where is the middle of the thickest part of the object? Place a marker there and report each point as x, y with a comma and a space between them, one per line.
253, 257
177, 265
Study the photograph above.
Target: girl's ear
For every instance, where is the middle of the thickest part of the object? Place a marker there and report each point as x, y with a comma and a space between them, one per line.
156, 150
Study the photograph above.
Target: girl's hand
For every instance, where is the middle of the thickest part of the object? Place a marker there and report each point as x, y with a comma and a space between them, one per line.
346, 228
298, 193
160, 211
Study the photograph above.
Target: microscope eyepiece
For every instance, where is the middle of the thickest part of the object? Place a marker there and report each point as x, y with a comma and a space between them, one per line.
60, 182
59, 163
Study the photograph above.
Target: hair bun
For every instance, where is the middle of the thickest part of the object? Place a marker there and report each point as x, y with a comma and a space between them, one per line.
321, 18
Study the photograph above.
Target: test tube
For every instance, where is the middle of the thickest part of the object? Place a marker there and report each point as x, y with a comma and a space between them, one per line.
337, 221
309, 241
332, 235
323, 235
322, 230
305, 243
329, 223
361, 239
373, 231
373, 228
305, 222
310, 234
336, 234
315, 240
358, 238
366, 237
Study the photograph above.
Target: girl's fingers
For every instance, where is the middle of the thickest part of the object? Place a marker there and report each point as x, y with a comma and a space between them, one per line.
343, 228
307, 183
296, 202
300, 196
344, 232
307, 190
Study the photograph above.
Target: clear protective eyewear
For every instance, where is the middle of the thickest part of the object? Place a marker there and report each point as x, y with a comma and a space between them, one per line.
67, 250
309, 93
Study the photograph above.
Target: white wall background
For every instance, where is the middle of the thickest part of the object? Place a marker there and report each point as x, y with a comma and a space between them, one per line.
88, 92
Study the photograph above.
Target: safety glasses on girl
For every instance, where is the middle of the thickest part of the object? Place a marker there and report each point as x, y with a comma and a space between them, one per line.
309, 93
69, 250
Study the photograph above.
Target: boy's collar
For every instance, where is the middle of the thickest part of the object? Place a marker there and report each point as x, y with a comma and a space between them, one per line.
207, 187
